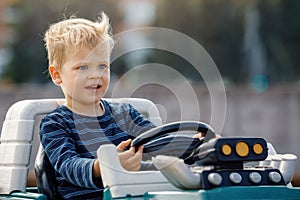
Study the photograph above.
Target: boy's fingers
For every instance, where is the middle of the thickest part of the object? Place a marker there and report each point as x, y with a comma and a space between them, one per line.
131, 159
124, 155
135, 160
199, 135
137, 156
140, 149
123, 145
131, 151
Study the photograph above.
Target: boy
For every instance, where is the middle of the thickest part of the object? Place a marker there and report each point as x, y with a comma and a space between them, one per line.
79, 62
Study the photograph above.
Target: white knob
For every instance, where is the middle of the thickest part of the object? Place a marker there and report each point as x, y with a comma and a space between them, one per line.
215, 179
255, 177
235, 177
275, 177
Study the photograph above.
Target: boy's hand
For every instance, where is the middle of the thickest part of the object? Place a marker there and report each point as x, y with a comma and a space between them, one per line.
130, 159
200, 135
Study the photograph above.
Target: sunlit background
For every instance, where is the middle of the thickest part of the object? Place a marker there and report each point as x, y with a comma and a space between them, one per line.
254, 43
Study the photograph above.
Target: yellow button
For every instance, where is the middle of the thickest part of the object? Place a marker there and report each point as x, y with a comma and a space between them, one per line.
242, 149
258, 148
226, 149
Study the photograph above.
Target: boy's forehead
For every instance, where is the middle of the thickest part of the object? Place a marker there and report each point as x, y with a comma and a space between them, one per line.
103, 47
87, 53
101, 50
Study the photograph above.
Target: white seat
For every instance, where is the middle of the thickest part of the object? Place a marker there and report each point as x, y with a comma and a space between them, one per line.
18, 130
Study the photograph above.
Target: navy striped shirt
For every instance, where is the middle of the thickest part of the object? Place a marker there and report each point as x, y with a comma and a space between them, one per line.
71, 140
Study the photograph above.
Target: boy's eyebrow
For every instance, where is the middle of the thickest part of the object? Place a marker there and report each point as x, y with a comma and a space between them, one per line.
89, 63
80, 63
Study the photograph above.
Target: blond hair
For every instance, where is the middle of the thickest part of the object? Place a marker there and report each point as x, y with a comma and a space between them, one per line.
69, 35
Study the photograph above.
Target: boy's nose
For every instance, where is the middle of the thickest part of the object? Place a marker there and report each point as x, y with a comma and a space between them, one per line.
95, 76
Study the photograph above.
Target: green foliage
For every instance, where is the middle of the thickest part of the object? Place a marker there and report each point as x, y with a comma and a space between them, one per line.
219, 26
281, 34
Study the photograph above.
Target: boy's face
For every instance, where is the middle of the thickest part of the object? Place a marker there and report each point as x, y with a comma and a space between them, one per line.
84, 77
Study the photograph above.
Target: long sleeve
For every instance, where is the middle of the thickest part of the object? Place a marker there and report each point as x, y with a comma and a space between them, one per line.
60, 148
71, 141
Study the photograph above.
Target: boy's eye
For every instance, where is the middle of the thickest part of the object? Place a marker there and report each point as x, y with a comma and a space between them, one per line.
102, 66
83, 67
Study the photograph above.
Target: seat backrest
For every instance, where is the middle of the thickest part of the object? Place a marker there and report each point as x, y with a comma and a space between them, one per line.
45, 175
17, 135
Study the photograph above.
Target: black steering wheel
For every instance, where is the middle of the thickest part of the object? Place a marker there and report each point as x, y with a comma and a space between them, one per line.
158, 141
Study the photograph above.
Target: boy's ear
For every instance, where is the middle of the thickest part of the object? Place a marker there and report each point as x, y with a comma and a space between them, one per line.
55, 74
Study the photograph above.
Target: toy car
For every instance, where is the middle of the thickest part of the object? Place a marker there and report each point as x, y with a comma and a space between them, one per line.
187, 167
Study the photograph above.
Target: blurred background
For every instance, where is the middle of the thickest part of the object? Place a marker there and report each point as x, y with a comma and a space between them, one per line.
254, 43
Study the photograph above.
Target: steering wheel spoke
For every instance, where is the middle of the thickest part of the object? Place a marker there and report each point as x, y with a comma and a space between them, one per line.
158, 141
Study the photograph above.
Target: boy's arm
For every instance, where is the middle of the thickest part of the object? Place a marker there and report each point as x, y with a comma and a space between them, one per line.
60, 149
96, 169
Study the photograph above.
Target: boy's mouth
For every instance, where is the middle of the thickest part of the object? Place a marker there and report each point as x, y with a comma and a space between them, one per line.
98, 86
